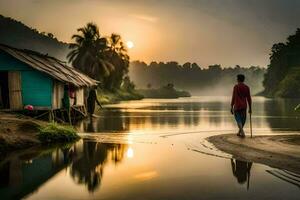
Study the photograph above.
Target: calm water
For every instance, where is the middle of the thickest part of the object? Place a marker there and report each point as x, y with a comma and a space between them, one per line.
155, 149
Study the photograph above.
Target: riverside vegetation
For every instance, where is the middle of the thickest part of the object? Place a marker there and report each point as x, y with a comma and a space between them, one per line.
104, 59
166, 92
282, 78
18, 132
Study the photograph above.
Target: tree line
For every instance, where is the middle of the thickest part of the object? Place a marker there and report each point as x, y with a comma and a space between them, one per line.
212, 80
282, 78
15, 33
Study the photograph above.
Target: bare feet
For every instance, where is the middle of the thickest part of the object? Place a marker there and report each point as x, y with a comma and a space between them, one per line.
241, 134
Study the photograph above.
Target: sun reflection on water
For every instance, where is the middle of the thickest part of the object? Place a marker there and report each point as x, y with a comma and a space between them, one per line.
130, 153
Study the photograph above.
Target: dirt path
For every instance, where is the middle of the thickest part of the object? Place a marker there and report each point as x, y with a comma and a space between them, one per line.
280, 151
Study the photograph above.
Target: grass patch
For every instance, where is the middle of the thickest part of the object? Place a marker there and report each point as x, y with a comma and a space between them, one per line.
164, 93
107, 97
55, 133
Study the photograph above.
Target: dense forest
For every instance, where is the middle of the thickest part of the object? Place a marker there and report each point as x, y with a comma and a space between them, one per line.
17, 34
213, 80
283, 74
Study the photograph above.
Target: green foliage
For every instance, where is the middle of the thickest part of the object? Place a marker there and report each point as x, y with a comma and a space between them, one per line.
89, 52
297, 108
280, 79
165, 92
54, 132
128, 85
107, 97
104, 59
118, 57
290, 85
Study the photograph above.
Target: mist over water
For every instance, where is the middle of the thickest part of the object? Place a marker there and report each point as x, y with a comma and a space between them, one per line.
199, 113
211, 81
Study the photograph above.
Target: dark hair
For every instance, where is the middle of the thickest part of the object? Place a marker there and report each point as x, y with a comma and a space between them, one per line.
240, 77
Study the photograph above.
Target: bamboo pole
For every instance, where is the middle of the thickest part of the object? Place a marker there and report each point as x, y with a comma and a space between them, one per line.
250, 124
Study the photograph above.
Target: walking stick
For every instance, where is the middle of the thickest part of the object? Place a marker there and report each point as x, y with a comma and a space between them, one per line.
248, 177
248, 181
250, 124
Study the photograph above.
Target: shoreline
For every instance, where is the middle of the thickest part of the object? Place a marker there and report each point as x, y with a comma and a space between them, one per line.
278, 151
18, 132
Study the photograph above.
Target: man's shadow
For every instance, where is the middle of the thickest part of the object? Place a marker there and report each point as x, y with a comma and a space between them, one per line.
241, 171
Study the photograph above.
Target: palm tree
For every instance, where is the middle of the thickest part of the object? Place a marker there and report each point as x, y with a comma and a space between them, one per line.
116, 44
89, 52
118, 56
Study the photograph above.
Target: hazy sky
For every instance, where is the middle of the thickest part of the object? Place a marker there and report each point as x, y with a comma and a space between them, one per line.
226, 32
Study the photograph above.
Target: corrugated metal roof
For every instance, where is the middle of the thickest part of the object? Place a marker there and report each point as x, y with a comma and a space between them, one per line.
51, 66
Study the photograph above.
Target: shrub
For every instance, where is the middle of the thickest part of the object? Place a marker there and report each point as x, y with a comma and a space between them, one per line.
54, 132
289, 87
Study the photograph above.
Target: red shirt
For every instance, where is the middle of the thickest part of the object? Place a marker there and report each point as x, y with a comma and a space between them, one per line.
240, 97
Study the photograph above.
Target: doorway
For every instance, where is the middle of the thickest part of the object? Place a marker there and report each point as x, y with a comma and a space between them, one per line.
4, 91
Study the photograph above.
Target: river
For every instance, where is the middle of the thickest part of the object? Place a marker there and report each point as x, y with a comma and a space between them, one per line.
155, 149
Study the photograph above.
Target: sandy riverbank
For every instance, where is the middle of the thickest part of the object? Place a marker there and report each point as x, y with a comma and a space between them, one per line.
279, 151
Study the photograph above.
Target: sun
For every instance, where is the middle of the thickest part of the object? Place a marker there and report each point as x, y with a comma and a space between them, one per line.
130, 44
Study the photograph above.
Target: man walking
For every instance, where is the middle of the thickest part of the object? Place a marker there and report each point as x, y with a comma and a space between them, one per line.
240, 97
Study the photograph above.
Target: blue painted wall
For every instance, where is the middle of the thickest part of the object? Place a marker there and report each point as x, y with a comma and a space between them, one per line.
37, 87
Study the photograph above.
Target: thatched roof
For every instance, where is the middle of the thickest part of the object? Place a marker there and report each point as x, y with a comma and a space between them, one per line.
51, 66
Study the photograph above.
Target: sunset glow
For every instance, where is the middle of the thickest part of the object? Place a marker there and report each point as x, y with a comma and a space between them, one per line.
193, 99
130, 44
194, 37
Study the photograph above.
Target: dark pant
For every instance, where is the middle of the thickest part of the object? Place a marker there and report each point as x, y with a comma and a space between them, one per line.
240, 116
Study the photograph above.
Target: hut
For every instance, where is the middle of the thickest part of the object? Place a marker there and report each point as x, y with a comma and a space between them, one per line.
31, 78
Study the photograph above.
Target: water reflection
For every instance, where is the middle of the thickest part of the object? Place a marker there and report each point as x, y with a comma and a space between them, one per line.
202, 113
109, 121
142, 167
89, 164
241, 171
170, 115
280, 114
23, 173
90, 169
286, 176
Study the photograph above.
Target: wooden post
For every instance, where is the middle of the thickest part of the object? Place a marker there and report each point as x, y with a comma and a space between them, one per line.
49, 116
69, 116
250, 124
62, 115
85, 111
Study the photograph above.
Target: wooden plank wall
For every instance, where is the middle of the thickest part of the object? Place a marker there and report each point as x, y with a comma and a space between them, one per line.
58, 94
15, 91
80, 96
